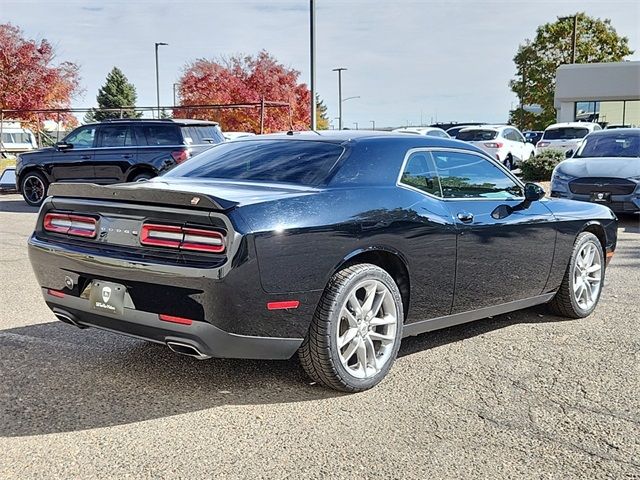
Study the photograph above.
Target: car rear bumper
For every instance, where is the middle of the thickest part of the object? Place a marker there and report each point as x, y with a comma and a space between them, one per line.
230, 314
205, 339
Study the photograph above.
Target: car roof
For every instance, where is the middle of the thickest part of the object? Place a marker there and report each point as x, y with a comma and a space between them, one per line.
345, 137
179, 121
572, 124
616, 131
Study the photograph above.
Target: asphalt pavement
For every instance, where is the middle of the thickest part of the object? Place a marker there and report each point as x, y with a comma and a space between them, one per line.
523, 395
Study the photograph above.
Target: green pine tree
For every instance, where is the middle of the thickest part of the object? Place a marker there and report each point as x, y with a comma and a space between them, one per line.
117, 92
322, 120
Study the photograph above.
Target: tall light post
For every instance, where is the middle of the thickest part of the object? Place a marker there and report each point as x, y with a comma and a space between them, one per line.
373, 124
312, 45
158, 77
174, 93
339, 70
574, 36
356, 124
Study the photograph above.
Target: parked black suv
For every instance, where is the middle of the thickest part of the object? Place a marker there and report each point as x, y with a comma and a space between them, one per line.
113, 151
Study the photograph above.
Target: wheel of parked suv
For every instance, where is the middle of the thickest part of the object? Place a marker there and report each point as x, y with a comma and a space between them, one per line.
356, 331
142, 176
508, 162
34, 188
582, 283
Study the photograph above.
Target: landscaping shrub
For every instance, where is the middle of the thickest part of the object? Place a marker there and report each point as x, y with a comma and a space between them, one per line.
541, 166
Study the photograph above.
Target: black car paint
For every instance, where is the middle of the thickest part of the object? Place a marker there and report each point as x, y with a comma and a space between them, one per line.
287, 242
106, 165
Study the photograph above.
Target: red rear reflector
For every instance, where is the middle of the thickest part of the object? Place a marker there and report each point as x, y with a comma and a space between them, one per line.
180, 155
185, 238
55, 293
283, 305
173, 319
77, 225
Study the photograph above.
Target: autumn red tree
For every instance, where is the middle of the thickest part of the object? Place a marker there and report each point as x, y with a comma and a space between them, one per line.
30, 79
246, 79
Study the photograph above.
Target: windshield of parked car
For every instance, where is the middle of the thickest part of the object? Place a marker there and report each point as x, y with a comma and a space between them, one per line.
565, 133
611, 145
476, 135
288, 161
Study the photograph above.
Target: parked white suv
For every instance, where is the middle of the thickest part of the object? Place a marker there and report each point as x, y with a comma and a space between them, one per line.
565, 136
503, 142
428, 131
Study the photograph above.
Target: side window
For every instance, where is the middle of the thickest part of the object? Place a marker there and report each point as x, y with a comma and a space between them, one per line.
517, 136
465, 175
82, 137
419, 172
162, 134
116, 136
508, 134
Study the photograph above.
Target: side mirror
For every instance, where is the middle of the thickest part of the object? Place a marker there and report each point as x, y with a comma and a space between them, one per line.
533, 192
568, 154
62, 146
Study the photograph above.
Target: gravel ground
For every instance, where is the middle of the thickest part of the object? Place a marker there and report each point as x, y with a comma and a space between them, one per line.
524, 395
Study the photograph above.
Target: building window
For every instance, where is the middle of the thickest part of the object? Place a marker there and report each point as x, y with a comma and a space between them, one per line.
619, 112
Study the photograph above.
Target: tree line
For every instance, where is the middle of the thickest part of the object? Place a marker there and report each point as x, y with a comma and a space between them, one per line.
31, 79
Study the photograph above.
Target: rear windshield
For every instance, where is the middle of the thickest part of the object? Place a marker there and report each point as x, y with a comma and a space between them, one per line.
611, 145
284, 161
565, 133
201, 134
476, 135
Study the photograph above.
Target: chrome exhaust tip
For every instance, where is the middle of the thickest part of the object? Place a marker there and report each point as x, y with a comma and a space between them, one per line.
67, 318
186, 349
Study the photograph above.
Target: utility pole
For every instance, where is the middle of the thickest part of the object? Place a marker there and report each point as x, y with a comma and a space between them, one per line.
312, 31
339, 70
574, 36
158, 77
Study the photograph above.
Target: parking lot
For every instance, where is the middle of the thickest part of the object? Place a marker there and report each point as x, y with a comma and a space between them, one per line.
523, 395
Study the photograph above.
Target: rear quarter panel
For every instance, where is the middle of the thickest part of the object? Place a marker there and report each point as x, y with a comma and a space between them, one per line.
573, 217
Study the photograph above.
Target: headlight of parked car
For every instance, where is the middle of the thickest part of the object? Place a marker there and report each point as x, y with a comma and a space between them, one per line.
559, 176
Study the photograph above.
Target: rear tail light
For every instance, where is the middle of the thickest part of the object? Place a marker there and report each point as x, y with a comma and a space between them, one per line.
543, 144
185, 238
180, 155
493, 144
77, 225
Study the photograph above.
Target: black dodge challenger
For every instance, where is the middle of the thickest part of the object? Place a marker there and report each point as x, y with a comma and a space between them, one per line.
333, 245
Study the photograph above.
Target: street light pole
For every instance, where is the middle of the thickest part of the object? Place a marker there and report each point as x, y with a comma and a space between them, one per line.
339, 70
356, 124
373, 124
574, 36
312, 31
174, 94
158, 77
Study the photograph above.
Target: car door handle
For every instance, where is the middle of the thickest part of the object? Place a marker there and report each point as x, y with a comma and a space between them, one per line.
465, 217
85, 157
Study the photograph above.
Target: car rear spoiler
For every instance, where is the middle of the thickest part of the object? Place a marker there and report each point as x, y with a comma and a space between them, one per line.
137, 193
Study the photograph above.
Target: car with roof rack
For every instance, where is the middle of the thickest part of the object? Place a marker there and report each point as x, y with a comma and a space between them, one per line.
114, 151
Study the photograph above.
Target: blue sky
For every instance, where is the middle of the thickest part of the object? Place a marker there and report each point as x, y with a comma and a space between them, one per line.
407, 60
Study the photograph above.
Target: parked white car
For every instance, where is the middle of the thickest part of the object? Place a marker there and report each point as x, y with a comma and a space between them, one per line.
566, 136
428, 131
503, 142
229, 136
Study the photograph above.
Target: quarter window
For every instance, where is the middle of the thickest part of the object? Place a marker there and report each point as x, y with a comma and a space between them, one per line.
465, 175
419, 172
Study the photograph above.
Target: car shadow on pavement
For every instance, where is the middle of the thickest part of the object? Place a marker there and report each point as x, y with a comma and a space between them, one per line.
57, 378
16, 206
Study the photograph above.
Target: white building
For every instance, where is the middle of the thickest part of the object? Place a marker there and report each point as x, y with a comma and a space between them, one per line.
608, 93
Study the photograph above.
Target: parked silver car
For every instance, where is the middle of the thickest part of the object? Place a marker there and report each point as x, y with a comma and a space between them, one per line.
605, 169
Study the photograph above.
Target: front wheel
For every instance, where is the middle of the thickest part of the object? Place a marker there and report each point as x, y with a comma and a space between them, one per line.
582, 283
356, 331
34, 188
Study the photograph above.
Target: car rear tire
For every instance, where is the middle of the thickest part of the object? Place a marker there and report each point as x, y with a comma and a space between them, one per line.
508, 162
34, 188
356, 331
581, 286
